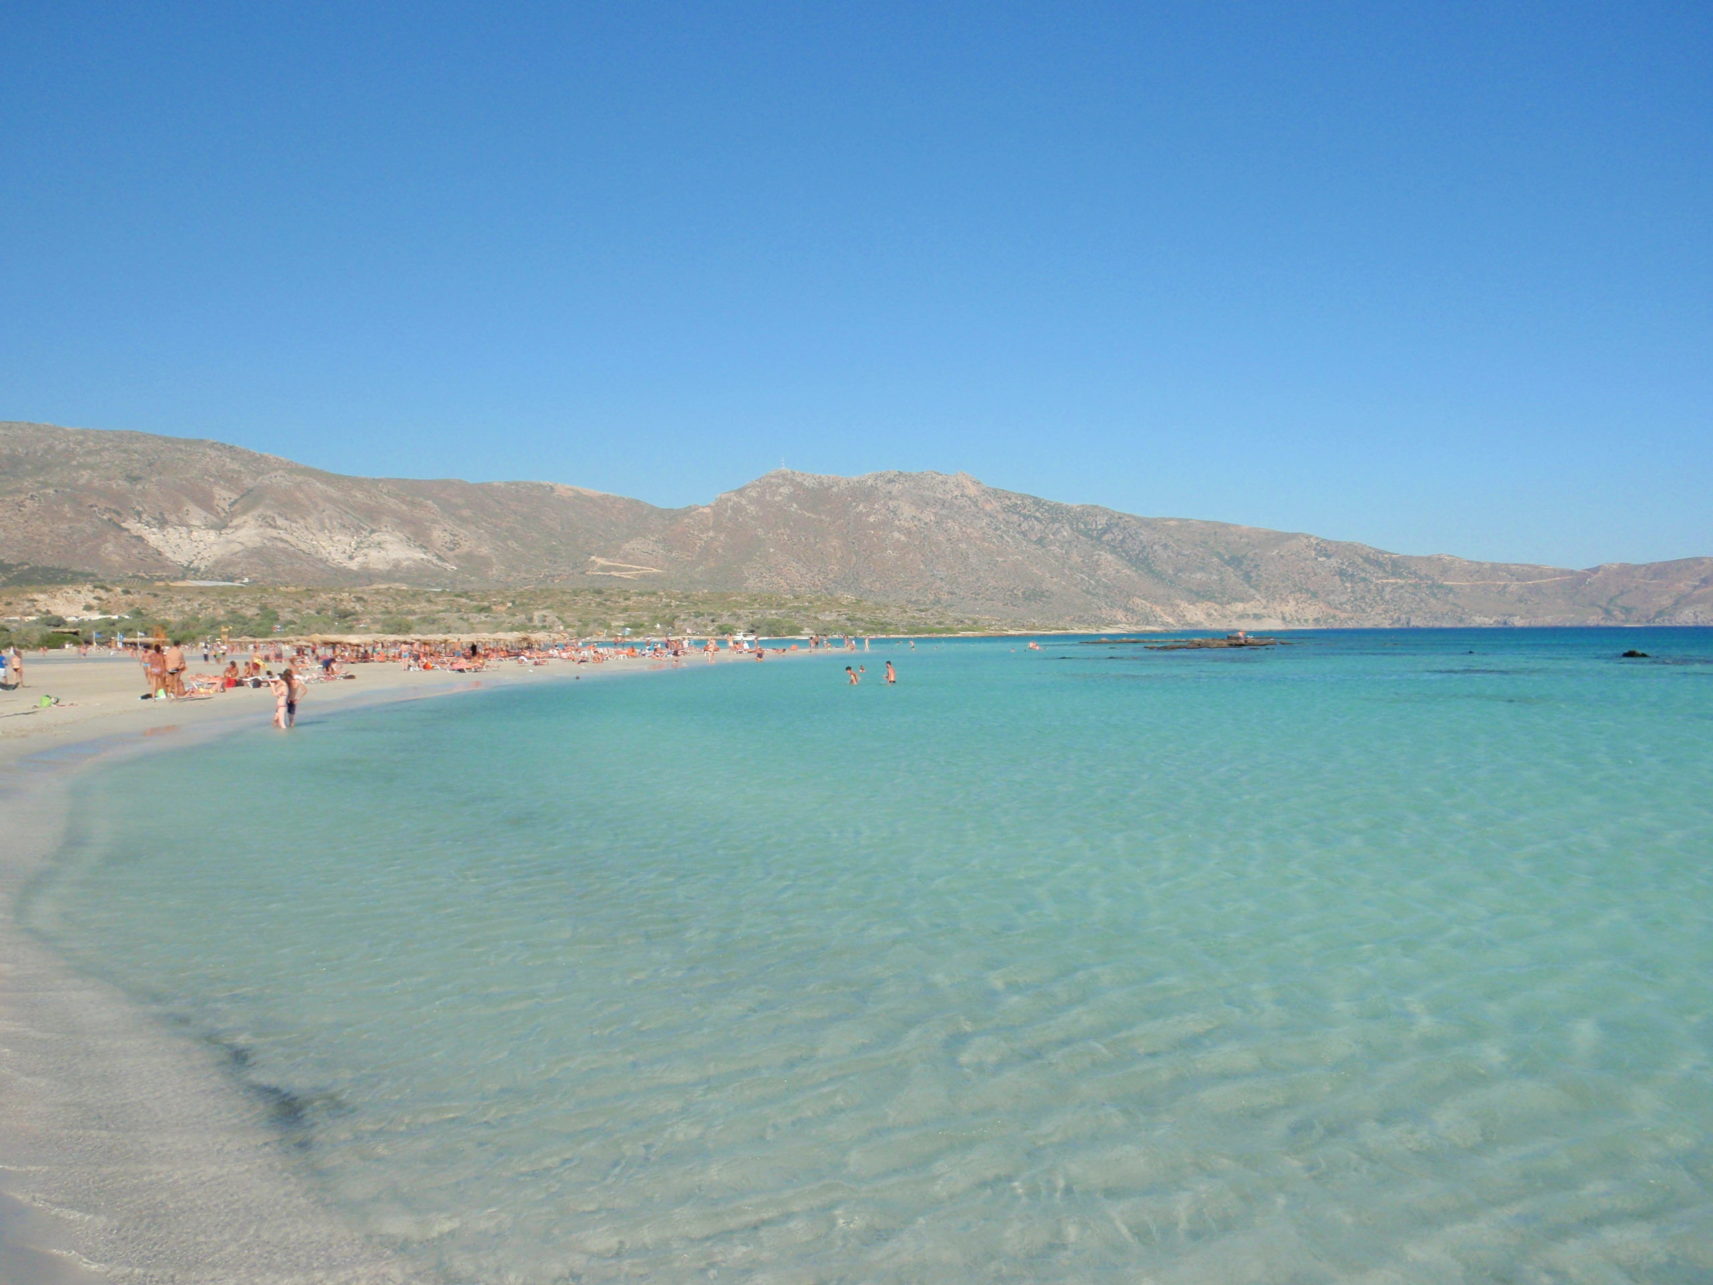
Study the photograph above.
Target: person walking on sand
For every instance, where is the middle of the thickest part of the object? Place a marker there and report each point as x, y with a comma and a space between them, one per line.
891, 674
17, 667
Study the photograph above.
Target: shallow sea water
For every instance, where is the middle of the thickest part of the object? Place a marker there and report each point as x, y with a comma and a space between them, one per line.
1381, 957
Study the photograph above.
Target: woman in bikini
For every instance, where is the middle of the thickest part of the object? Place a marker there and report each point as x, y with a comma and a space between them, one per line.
155, 669
285, 700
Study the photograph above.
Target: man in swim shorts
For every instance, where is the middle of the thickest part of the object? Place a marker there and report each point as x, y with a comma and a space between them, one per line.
174, 658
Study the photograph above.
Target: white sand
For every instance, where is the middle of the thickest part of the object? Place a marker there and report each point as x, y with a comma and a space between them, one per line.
127, 1152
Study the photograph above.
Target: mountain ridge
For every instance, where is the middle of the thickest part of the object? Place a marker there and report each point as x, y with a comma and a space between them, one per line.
117, 503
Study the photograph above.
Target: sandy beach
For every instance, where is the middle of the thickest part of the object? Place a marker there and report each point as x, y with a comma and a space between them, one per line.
127, 1152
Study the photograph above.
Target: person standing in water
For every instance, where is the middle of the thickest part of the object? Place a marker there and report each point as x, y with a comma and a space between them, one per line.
851, 675
285, 700
891, 674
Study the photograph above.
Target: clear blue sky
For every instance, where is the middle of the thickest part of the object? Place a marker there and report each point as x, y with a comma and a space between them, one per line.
1436, 277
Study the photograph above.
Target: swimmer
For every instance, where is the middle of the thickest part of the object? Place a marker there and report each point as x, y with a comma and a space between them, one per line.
891, 674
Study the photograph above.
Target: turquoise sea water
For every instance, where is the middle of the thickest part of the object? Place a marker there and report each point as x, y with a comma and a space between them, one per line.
1381, 957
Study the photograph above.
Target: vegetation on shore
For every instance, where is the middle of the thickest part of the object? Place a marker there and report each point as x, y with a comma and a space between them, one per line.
50, 615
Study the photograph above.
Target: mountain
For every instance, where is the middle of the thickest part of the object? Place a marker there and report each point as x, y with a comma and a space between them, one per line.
950, 541
116, 503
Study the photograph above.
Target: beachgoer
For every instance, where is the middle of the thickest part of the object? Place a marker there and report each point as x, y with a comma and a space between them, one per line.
891, 674
285, 699
17, 659
155, 670
174, 657
5, 664
851, 674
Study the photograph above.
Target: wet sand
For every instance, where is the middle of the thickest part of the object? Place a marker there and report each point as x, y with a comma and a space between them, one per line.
128, 1152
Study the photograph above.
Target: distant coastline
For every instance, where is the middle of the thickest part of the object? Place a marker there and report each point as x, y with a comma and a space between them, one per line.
886, 551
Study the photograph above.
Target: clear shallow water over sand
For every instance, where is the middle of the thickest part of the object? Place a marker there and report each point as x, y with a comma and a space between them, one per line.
1382, 957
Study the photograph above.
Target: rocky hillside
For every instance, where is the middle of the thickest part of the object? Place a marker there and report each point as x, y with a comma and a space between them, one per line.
115, 504
950, 541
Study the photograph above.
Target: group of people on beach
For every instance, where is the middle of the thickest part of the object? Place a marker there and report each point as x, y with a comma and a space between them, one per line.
165, 666
163, 670
286, 668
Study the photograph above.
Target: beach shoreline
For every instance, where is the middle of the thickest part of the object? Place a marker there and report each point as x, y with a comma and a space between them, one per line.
128, 1151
